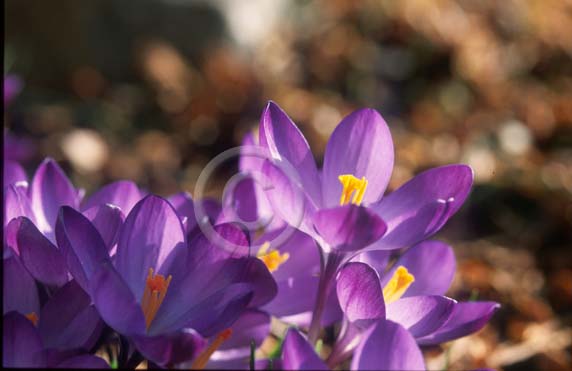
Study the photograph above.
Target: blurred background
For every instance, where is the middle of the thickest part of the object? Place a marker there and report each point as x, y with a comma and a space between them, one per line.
152, 90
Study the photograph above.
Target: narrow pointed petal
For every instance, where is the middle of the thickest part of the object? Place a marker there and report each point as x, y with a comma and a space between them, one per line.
21, 343
13, 173
360, 145
420, 207
422, 261
285, 142
81, 245
349, 227
298, 354
465, 319
42, 259
20, 292
68, 320
360, 294
16, 203
171, 349
149, 234
421, 315
388, 346
123, 194
51, 189
107, 219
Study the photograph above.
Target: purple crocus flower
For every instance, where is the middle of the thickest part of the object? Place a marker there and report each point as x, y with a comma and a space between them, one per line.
158, 284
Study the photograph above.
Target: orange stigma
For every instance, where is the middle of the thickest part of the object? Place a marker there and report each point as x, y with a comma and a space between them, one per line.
273, 259
33, 317
155, 291
352, 185
201, 361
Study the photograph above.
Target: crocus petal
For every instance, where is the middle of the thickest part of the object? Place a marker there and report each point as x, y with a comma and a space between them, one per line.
21, 343
433, 265
420, 207
349, 227
68, 320
248, 161
16, 203
115, 302
252, 325
151, 231
80, 244
361, 145
298, 354
124, 194
51, 189
388, 346
360, 293
83, 361
107, 219
20, 291
184, 206
465, 319
42, 259
171, 349
13, 173
286, 143
421, 315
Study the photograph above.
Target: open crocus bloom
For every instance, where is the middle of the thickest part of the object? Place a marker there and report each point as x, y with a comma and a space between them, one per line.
158, 284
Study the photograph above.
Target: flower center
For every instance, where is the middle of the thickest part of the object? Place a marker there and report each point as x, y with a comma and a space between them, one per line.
201, 361
273, 259
350, 185
155, 290
33, 317
397, 285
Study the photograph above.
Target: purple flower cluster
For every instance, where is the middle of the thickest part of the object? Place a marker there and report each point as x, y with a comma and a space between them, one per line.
190, 283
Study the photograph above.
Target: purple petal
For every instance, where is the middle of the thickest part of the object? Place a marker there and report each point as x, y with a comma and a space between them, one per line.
286, 143
184, 206
115, 302
433, 265
81, 245
20, 291
21, 343
107, 219
42, 259
360, 293
420, 207
68, 320
421, 315
150, 233
298, 354
465, 319
13, 173
361, 145
377, 259
12, 86
252, 325
124, 194
83, 361
388, 346
51, 189
167, 350
248, 162
16, 203
349, 227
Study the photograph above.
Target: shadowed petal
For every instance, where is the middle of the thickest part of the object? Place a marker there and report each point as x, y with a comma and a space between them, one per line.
285, 142
51, 189
149, 234
42, 259
83, 361
361, 145
298, 354
80, 244
349, 227
387, 346
360, 293
175, 348
107, 219
433, 265
421, 315
21, 343
465, 319
20, 292
124, 194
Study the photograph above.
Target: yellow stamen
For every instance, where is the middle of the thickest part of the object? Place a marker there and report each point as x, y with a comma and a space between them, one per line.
350, 185
201, 361
273, 259
155, 290
397, 285
33, 317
